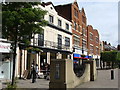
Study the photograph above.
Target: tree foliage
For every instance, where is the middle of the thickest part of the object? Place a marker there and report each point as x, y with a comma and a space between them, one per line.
118, 56
109, 56
19, 21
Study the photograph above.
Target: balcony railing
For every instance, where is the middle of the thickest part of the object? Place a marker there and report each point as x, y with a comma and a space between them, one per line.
55, 45
50, 44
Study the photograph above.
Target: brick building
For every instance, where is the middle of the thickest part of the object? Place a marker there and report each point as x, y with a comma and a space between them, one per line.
93, 44
107, 46
79, 22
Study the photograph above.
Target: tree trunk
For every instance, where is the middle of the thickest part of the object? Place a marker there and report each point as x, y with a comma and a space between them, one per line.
14, 58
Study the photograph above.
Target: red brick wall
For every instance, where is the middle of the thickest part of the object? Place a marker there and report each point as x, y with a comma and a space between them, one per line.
77, 20
93, 42
96, 34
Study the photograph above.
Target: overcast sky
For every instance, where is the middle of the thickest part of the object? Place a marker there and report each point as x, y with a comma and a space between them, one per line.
101, 14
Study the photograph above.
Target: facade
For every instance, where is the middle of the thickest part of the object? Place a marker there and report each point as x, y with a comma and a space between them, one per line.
78, 18
55, 42
82, 44
107, 46
93, 44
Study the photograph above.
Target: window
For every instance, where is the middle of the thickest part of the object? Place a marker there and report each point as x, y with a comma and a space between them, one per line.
59, 22
97, 50
59, 41
67, 41
83, 19
84, 43
83, 31
40, 39
75, 12
79, 28
67, 26
97, 40
76, 40
50, 19
91, 49
91, 36
75, 25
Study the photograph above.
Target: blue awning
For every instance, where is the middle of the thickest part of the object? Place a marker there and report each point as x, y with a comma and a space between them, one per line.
76, 55
86, 56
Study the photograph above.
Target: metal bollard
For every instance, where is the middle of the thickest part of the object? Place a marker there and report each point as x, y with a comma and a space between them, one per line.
112, 74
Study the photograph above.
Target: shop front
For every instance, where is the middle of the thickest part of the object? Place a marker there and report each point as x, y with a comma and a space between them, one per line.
5, 61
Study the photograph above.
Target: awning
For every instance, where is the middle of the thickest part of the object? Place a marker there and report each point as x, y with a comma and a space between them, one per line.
76, 55
79, 56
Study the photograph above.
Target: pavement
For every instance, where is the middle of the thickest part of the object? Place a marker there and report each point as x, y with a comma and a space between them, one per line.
24, 84
103, 81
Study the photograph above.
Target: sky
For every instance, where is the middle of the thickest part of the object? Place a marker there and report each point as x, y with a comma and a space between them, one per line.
101, 14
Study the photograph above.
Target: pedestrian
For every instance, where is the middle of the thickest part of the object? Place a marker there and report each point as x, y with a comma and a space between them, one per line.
37, 70
47, 67
33, 72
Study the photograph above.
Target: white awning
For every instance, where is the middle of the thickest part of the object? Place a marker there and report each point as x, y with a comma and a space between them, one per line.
5, 47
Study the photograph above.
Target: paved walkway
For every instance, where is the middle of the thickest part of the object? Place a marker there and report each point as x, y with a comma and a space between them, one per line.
40, 83
103, 80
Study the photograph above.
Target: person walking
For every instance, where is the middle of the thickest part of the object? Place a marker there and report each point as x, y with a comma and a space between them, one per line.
37, 70
33, 72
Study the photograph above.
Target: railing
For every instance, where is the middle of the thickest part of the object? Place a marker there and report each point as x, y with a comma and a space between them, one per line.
55, 45
50, 44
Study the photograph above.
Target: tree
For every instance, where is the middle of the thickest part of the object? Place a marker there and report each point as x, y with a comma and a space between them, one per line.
20, 20
109, 56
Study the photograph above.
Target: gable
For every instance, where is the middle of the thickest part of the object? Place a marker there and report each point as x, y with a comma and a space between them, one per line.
50, 8
75, 3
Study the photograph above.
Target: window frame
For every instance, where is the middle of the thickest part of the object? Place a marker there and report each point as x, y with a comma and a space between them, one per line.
66, 26
51, 18
59, 23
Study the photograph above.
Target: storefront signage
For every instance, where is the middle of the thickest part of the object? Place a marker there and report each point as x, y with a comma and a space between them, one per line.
4, 47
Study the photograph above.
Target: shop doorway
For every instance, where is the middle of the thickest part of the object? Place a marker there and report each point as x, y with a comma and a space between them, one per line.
43, 60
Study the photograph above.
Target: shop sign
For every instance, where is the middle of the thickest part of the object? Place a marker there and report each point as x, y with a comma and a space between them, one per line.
4, 47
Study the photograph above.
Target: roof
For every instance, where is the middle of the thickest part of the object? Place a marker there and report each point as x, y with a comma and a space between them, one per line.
46, 4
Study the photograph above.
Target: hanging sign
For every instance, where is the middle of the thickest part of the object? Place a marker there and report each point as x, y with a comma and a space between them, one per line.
5, 47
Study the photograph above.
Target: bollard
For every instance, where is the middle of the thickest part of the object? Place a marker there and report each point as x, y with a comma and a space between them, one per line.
112, 74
